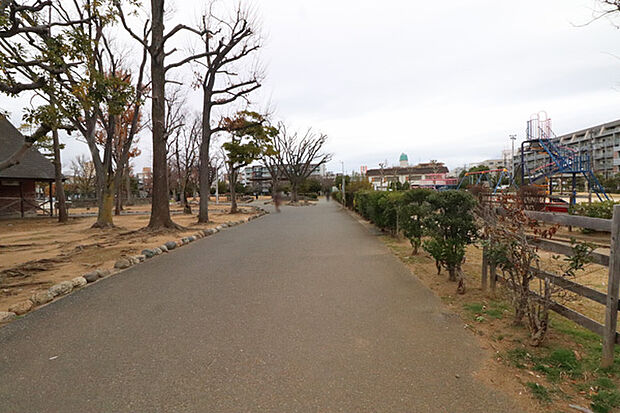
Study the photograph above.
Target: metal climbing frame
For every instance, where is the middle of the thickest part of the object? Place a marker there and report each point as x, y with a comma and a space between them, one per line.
482, 174
544, 157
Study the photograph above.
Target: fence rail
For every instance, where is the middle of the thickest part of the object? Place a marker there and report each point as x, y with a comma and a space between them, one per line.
608, 330
20, 204
564, 249
596, 224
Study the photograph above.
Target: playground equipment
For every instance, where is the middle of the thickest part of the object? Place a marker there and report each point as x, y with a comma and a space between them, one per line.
544, 158
503, 173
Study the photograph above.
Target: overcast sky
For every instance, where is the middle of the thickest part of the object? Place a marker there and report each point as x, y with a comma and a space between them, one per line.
447, 80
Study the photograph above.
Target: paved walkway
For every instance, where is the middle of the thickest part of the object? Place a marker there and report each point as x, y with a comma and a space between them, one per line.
303, 311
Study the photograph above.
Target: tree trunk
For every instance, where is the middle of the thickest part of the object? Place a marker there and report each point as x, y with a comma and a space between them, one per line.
460, 289
160, 208
183, 196
128, 187
63, 216
294, 192
520, 307
180, 180
452, 273
187, 208
106, 184
233, 191
105, 203
204, 183
118, 205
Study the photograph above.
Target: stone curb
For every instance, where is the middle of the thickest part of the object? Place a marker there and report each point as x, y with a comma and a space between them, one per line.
65, 287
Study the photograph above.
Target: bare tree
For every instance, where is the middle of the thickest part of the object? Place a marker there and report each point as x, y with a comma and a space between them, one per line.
226, 41
156, 49
271, 162
298, 157
610, 6
83, 179
184, 147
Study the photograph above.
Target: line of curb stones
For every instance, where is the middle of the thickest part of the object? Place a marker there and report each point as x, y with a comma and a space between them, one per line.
65, 287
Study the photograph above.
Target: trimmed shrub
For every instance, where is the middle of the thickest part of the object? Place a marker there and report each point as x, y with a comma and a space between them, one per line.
414, 210
451, 227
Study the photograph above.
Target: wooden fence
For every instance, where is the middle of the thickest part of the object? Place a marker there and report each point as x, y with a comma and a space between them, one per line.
21, 205
608, 330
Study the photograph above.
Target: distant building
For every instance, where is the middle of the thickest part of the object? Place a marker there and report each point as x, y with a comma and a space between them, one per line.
259, 177
424, 175
490, 163
145, 182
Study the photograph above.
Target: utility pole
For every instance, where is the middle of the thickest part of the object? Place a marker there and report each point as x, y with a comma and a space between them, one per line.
344, 196
513, 138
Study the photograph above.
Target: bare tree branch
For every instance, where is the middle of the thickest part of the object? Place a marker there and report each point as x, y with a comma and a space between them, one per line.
297, 157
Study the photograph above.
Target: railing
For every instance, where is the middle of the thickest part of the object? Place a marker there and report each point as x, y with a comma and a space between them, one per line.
608, 330
20, 205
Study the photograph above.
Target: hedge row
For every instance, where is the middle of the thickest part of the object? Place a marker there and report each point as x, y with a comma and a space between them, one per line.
382, 208
603, 209
445, 219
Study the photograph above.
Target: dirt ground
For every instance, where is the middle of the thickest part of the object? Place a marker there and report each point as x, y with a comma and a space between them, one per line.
36, 253
489, 317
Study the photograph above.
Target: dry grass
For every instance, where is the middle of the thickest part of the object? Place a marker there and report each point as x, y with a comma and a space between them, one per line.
513, 366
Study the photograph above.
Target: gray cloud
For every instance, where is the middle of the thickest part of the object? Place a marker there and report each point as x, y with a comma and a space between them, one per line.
444, 80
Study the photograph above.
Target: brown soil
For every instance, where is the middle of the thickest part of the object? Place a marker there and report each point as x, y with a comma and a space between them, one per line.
496, 335
499, 335
36, 253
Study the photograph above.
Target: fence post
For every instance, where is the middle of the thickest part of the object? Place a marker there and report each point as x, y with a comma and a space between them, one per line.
611, 310
485, 267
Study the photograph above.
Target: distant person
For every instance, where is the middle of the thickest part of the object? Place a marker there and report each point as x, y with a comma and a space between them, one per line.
328, 195
277, 200
256, 195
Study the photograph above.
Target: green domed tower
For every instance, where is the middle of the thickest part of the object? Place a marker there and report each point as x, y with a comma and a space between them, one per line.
404, 161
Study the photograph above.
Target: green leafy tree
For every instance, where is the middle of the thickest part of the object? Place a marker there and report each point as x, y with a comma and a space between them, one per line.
30, 56
451, 227
250, 137
310, 185
413, 212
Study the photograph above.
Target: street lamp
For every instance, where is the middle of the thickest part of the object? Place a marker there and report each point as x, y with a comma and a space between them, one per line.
513, 138
344, 197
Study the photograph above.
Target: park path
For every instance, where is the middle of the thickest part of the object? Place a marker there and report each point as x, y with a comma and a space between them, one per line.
302, 311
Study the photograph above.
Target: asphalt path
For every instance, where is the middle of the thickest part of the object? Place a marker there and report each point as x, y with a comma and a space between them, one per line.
301, 311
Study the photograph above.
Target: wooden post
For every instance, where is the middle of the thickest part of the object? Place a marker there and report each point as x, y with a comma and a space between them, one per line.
51, 201
611, 310
485, 267
21, 199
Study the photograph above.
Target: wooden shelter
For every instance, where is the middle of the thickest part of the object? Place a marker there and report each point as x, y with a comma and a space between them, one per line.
18, 196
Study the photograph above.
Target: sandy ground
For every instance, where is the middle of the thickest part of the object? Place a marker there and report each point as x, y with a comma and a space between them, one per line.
36, 253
